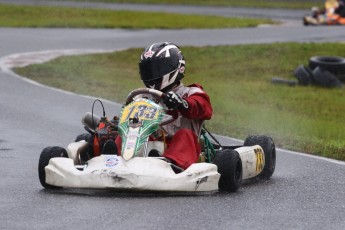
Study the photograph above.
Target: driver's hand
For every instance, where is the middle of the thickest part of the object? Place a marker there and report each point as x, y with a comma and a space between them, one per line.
174, 101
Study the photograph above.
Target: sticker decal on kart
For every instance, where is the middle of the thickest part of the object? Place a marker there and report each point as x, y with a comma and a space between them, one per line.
200, 181
260, 161
111, 161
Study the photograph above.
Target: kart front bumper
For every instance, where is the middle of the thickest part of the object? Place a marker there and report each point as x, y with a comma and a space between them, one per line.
113, 172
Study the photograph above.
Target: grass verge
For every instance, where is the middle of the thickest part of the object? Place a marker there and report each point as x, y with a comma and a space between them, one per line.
238, 80
44, 16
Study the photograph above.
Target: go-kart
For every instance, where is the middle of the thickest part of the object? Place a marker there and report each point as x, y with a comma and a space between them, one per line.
219, 167
327, 19
331, 14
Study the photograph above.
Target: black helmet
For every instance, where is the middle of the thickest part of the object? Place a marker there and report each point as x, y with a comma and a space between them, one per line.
161, 66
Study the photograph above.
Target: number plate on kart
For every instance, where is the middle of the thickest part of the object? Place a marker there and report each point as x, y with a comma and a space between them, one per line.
142, 109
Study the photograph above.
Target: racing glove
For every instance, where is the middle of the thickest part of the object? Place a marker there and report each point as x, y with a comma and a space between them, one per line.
174, 101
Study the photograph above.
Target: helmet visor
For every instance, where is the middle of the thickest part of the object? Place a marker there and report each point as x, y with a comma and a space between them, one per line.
155, 69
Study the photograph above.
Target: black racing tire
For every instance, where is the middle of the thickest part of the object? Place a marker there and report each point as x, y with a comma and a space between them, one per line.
269, 148
230, 169
303, 75
47, 154
333, 64
325, 78
83, 137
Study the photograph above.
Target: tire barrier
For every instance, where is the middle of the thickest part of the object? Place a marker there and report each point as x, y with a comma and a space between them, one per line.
335, 65
304, 75
324, 78
323, 71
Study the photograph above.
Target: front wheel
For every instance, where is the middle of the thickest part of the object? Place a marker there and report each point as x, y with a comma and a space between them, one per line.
269, 148
230, 169
47, 154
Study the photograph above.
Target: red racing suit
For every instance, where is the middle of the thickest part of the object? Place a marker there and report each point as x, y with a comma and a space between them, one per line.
183, 147
183, 144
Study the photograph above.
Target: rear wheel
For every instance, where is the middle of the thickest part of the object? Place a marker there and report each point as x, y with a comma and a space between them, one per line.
230, 169
47, 154
269, 148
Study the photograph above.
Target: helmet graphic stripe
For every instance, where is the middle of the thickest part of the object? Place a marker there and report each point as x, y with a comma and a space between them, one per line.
166, 48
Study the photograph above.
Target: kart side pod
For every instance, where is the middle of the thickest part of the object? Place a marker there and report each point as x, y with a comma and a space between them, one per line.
74, 149
253, 160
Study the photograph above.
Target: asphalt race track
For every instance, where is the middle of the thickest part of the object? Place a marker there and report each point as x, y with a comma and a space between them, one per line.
305, 192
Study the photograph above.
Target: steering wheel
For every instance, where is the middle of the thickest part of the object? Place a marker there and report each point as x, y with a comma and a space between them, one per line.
136, 92
153, 92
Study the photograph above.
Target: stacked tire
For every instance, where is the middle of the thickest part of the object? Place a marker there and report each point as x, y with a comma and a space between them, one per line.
324, 71
333, 64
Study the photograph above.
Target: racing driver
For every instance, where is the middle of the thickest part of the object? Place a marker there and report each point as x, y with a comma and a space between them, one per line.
162, 67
